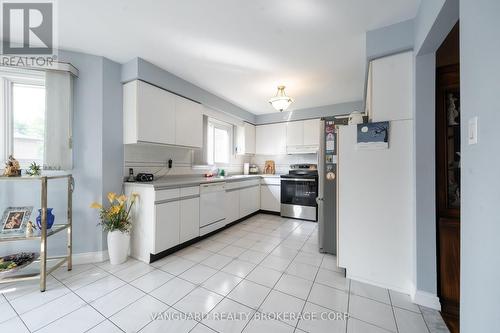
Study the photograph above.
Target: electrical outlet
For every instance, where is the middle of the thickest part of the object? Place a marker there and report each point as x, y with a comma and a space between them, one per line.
169, 163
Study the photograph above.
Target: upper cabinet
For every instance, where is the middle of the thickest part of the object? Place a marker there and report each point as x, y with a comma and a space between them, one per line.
302, 136
245, 139
311, 132
188, 123
271, 139
387, 75
154, 115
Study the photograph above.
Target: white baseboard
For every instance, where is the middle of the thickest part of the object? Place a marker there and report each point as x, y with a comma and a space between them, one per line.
90, 257
426, 299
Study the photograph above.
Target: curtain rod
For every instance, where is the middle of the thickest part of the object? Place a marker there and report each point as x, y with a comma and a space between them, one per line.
55, 66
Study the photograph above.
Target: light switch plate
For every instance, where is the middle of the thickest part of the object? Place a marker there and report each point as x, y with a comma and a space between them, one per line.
472, 131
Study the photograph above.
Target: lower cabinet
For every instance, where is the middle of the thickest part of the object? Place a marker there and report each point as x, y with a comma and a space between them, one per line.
270, 197
189, 219
167, 226
232, 205
249, 200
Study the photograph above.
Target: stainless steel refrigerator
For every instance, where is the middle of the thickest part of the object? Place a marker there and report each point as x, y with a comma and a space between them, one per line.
327, 191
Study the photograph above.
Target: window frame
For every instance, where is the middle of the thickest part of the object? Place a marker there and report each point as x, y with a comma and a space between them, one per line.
7, 81
221, 125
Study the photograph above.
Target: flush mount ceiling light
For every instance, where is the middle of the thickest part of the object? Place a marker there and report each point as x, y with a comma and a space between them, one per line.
281, 101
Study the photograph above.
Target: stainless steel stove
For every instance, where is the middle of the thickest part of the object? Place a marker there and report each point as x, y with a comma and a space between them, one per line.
299, 189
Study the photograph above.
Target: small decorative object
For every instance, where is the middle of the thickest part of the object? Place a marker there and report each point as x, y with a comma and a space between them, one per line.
355, 118
30, 229
12, 167
116, 220
452, 110
14, 262
373, 135
50, 219
14, 219
269, 167
34, 170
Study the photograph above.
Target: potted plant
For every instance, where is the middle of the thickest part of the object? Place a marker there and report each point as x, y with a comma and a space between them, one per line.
116, 221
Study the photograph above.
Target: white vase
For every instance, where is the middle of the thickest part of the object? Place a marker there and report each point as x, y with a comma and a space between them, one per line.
118, 244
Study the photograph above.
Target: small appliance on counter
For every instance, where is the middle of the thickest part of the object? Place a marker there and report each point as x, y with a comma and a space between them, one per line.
253, 170
144, 177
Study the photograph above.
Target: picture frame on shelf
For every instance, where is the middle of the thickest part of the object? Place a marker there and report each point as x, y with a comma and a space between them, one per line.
14, 220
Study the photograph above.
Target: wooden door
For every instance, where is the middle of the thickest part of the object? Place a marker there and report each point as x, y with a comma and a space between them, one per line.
448, 192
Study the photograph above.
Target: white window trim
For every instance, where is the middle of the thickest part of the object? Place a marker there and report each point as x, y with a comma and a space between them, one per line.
7, 80
226, 127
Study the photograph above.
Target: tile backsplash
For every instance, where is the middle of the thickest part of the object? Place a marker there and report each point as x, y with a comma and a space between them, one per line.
153, 159
282, 162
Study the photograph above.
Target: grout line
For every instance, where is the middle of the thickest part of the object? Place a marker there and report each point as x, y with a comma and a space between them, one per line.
393, 313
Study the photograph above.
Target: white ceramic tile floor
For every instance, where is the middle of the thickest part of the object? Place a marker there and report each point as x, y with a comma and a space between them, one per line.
255, 269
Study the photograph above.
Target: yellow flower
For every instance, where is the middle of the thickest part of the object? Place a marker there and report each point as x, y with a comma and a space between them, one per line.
115, 209
111, 197
121, 199
96, 205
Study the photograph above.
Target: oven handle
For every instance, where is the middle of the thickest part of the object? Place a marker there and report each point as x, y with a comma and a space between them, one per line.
298, 180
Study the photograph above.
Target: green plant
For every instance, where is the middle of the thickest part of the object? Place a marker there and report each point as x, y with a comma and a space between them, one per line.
34, 170
117, 216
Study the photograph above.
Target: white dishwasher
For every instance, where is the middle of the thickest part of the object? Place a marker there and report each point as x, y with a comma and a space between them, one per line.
212, 215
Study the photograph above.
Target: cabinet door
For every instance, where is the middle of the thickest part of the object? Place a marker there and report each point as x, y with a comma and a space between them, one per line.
232, 206
311, 132
167, 226
270, 197
254, 193
155, 114
249, 138
245, 203
189, 219
188, 123
271, 139
295, 133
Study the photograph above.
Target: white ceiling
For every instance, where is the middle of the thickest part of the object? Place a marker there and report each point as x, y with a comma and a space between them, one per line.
239, 50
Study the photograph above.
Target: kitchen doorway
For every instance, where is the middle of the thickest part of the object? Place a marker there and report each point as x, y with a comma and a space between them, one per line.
448, 177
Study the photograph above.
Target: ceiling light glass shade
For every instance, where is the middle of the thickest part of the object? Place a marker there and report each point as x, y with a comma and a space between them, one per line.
281, 101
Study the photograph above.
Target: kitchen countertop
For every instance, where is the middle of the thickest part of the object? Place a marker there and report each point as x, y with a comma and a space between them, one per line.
187, 181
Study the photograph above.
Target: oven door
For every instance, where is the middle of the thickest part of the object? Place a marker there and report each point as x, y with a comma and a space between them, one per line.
298, 198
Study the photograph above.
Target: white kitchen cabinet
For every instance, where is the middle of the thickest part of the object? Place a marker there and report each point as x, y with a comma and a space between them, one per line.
154, 115
249, 200
271, 139
311, 132
188, 123
167, 226
302, 136
232, 205
270, 194
295, 133
245, 139
189, 219
148, 114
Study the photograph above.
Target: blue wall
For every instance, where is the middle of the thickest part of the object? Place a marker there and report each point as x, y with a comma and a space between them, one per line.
97, 155
480, 221
394, 38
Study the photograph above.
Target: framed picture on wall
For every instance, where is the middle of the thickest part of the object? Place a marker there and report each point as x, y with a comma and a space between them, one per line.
14, 219
373, 135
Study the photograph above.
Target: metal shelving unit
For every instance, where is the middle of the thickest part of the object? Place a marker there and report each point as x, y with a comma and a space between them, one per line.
44, 233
